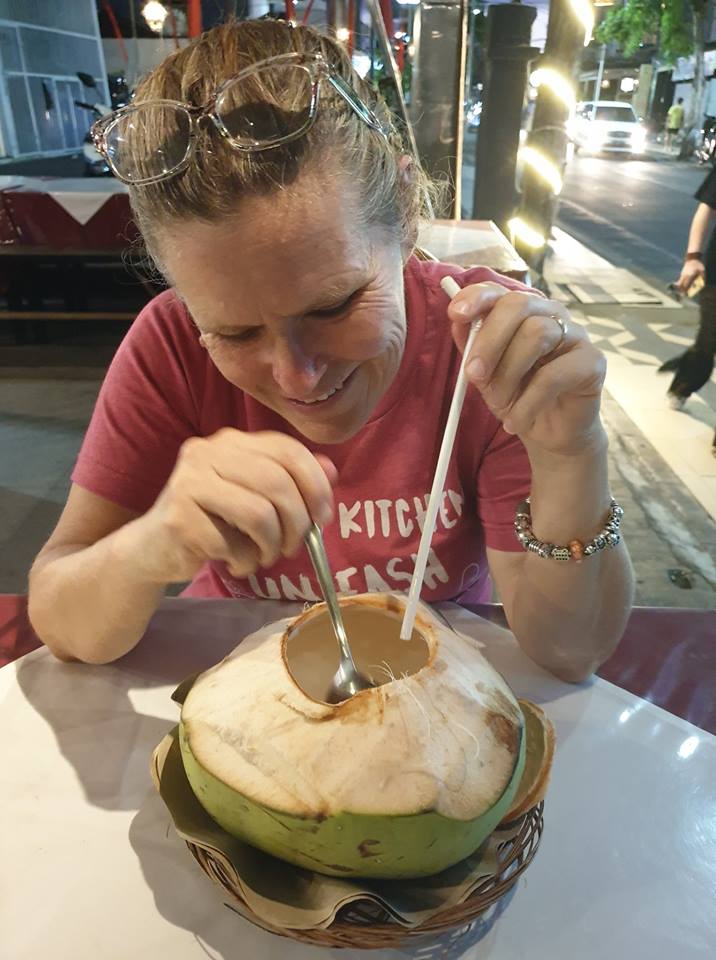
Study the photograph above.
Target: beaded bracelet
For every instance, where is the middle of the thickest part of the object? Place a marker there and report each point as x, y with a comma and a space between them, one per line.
608, 536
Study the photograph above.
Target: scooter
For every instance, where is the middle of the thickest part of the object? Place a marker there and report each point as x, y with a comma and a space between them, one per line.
94, 163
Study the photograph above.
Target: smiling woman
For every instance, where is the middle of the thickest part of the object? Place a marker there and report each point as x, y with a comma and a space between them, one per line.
300, 369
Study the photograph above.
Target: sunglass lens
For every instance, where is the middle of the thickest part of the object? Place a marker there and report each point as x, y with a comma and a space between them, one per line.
267, 106
149, 141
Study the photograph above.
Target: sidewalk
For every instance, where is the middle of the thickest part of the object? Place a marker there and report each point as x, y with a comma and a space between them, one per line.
661, 464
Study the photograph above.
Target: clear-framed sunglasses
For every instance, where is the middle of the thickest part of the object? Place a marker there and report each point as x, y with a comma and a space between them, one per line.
269, 104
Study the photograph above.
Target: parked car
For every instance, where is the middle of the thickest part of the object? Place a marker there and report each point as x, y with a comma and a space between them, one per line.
607, 125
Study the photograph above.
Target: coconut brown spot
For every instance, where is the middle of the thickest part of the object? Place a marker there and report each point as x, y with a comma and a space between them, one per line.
504, 705
504, 730
363, 848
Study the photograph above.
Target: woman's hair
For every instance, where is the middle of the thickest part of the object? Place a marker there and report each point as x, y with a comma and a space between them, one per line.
338, 142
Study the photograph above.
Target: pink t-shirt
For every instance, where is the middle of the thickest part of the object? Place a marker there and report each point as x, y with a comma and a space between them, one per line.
162, 388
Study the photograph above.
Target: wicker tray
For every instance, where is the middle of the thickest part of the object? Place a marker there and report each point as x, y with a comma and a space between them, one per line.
366, 926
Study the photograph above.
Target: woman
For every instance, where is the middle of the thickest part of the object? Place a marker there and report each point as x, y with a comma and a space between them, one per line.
301, 366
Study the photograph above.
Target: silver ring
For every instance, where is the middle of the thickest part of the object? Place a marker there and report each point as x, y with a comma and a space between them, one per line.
562, 326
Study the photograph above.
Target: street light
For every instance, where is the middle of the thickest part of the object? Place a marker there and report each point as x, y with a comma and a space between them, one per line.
155, 14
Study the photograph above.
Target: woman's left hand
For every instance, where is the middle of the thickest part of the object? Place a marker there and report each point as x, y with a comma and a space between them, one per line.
542, 385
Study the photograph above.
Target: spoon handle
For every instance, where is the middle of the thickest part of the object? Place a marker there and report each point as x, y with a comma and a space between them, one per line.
319, 559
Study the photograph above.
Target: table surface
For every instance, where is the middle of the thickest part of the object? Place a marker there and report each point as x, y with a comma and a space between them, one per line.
90, 863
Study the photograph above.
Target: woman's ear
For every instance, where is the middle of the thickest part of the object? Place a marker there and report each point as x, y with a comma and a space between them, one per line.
405, 171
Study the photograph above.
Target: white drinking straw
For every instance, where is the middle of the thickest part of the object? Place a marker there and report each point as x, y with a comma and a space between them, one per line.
406, 631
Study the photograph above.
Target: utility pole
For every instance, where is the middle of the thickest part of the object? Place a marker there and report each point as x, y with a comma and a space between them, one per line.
508, 54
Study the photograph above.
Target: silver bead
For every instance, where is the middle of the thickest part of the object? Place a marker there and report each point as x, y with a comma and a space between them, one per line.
561, 553
613, 539
611, 526
524, 536
534, 546
618, 511
589, 550
545, 550
600, 542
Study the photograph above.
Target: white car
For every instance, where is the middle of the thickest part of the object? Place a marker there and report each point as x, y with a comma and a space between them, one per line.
609, 125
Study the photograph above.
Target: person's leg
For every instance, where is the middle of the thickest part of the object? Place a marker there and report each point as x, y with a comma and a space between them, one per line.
694, 367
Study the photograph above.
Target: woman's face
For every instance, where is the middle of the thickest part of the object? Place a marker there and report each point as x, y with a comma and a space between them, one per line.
297, 304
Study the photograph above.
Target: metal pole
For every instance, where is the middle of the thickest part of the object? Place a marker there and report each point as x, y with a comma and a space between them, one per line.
600, 77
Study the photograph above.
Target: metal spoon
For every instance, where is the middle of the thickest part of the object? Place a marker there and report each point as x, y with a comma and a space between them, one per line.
347, 680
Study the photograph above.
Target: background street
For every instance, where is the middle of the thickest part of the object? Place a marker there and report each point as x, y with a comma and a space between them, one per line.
634, 213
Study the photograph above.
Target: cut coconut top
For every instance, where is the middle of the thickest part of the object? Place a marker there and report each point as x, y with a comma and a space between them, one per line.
443, 736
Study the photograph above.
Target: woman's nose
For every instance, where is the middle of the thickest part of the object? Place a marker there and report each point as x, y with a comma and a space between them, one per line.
296, 368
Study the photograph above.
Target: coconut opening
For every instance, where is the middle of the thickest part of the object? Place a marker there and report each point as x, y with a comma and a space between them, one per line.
312, 657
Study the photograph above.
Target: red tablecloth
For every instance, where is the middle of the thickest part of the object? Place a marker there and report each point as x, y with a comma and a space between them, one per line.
667, 656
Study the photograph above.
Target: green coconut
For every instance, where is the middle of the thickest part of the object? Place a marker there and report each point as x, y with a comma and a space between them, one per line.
403, 780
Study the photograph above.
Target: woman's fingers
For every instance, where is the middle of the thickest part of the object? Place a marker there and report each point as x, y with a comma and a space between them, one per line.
308, 474
503, 313
580, 371
535, 342
271, 481
248, 512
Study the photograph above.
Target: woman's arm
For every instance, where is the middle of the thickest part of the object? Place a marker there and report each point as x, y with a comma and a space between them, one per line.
568, 617
88, 598
240, 498
542, 379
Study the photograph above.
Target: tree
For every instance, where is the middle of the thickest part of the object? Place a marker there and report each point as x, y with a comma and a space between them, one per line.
679, 27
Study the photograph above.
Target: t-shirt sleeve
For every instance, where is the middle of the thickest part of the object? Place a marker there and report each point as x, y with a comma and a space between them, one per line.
503, 480
145, 410
707, 191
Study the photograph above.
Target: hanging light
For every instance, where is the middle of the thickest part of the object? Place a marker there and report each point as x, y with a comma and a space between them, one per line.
343, 34
542, 166
557, 83
155, 14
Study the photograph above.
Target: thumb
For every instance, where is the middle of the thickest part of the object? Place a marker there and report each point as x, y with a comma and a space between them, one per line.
328, 467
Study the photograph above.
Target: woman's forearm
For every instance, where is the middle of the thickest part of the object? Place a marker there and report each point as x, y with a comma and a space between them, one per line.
700, 228
92, 603
569, 617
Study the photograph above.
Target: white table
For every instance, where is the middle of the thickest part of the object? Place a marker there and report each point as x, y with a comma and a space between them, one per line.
90, 866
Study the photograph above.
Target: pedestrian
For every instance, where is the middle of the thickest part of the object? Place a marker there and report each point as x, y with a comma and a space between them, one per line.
693, 368
674, 121
300, 367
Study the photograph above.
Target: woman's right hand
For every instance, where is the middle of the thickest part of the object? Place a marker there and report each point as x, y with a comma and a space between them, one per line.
241, 498
689, 272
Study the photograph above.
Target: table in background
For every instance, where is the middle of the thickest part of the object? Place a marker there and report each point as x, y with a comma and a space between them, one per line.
55, 234
470, 243
626, 868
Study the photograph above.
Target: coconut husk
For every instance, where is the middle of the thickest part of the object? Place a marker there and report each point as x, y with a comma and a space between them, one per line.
287, 897
538, 761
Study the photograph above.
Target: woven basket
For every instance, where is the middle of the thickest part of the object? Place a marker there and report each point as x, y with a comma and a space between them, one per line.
364, 925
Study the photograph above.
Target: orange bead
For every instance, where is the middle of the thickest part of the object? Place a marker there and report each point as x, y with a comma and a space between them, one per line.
576, 548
